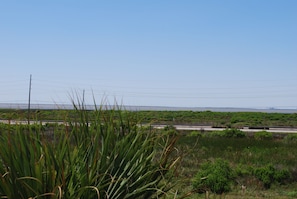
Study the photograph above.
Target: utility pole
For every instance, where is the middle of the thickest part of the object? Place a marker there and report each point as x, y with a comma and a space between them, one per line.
83, 100
83, 97
29, 103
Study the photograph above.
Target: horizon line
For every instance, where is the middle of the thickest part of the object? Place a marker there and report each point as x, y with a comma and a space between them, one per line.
66, 106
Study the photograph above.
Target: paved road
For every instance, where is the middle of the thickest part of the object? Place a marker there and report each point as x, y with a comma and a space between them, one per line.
180, 127
209, 128
31, 122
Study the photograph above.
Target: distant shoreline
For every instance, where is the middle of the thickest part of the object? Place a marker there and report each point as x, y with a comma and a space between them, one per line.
147, 108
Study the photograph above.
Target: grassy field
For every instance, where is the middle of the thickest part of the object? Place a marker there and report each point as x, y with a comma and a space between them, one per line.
245, 155
266, 166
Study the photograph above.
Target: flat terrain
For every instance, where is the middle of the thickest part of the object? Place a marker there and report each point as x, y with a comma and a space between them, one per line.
204, 137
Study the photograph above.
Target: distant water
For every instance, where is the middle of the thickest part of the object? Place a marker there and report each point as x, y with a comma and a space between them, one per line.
149, 108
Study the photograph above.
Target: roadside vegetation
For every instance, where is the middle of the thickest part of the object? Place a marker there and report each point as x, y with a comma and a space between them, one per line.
107, 154
221, 119
215, 119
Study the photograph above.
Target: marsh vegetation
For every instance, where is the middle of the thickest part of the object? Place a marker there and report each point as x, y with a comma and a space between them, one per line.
108, 154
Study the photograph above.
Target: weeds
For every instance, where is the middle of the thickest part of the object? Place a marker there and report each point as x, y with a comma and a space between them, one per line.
247, 157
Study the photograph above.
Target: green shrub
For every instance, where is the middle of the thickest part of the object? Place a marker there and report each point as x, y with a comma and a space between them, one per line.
195, 134
265, 175
216, 177
233, 133
282, 176
263, 135
292, 194
243, 170
228, 133
269, 175
214, 134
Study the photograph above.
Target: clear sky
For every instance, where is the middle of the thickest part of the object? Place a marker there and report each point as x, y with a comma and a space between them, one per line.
194, 53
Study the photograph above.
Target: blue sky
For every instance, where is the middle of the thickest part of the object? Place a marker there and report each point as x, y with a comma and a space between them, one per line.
196, 53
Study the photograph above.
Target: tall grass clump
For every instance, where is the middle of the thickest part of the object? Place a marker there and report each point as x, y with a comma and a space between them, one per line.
98, 154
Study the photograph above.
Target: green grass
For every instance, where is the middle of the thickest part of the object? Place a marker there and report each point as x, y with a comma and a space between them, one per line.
104, 153
245, 155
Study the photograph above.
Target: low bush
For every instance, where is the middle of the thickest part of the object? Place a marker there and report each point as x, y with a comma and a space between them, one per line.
236, 133
243, 170
228, 133
263, 135
292, 194
214, 134
269, 175
216, 177
195, 134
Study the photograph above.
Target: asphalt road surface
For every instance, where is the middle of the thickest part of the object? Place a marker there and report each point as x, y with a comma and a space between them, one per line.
179, 127
210, 128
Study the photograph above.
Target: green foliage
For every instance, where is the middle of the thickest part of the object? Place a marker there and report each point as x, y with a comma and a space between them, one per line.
112, 158
266, 175
292, 194
170, 130
269, 175
228, 133
216, 177
282, 176
244, 155
291, 138
243, 170
50, 150
263, 135
195, 134
219, 119
214, 134
236, 133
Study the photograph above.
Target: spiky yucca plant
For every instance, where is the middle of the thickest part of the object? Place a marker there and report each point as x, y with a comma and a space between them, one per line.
104, 154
